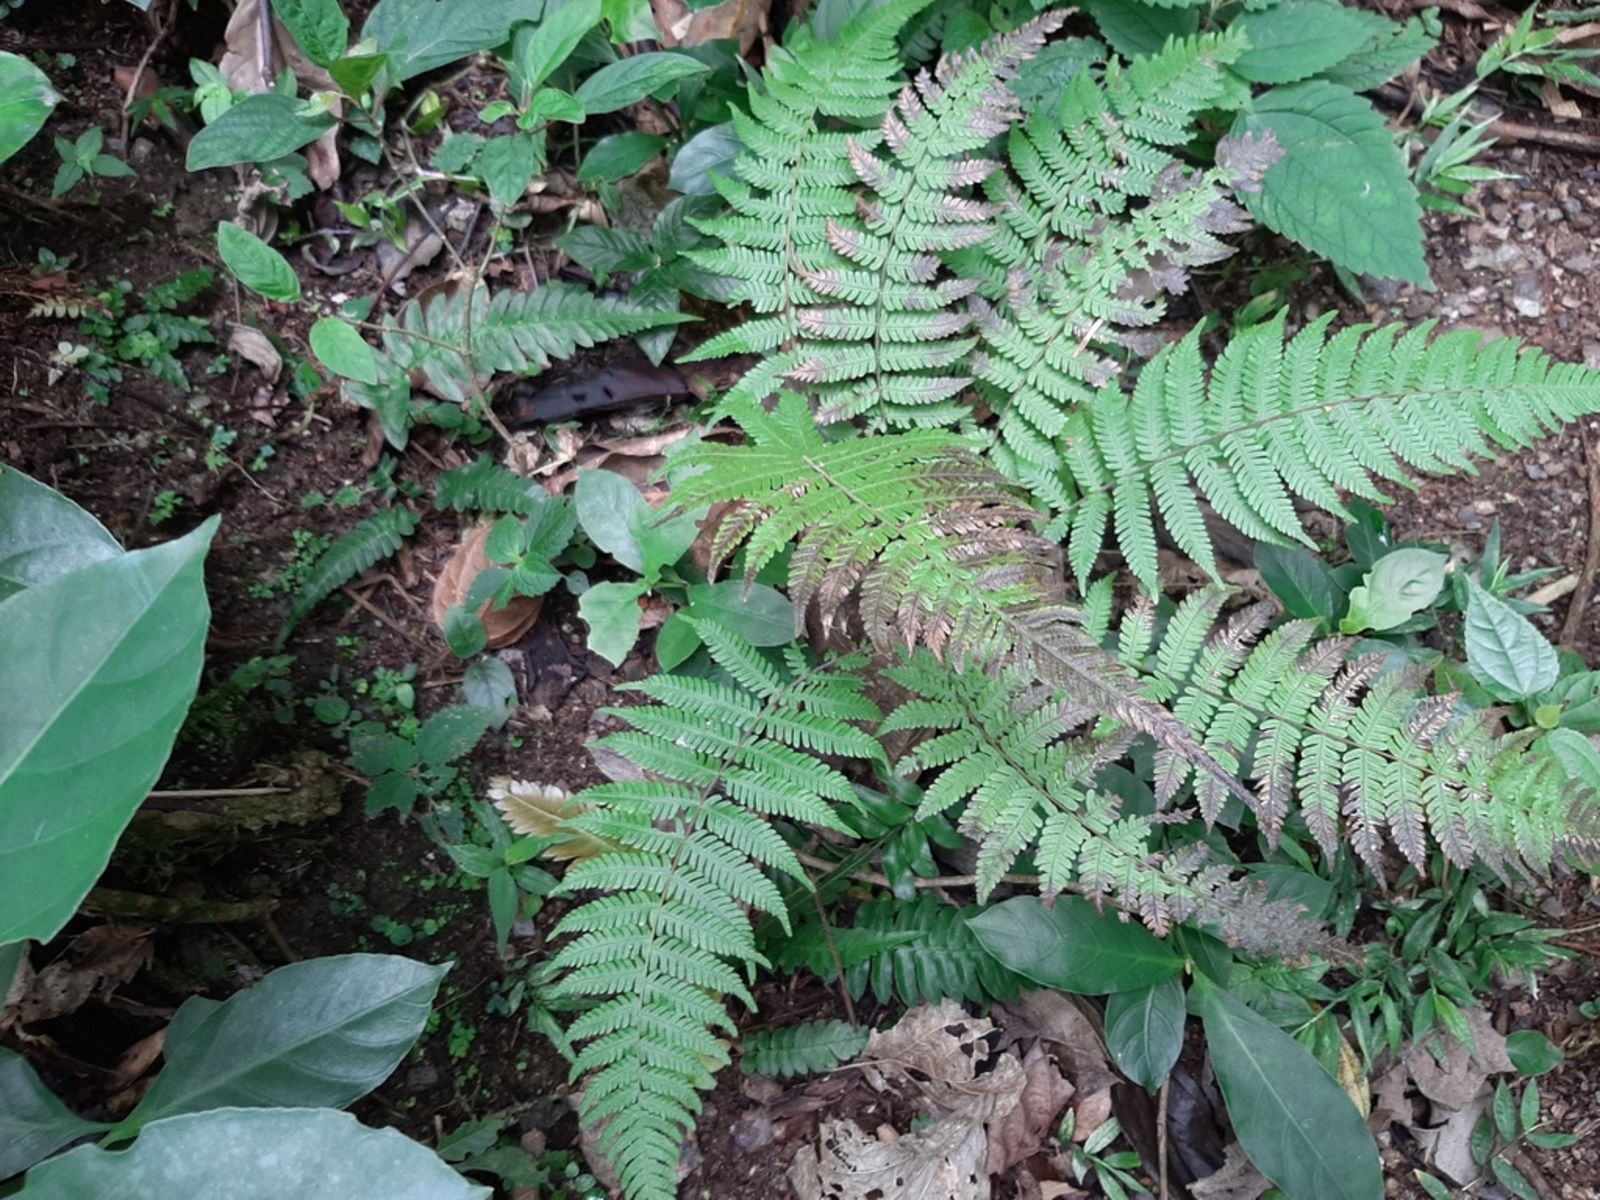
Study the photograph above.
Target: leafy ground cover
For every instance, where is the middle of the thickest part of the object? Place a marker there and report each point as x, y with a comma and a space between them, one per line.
426, 628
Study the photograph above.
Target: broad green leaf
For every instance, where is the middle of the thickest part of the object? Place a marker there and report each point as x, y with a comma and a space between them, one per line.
611, 610
323, 1032
255, 1154
1294, 1121
1296, 39
1341, 188
1041, 80
1505, 652
318, 26
710, 152
97, 671
464, 632
619, 155
422, 35
507, 164
257, 265
619, 84
488, 686
676, 640
1144, 1031
340, 347
1576, 754
611, 510
354, 73
1532, 1053
763, 616
1302, 582
26, 101
1388, 50
604, 252
541, 48
44, 535
1135, 28
257, 129
33, 1123
630, 20
1401, 584
1073, 946
451, 733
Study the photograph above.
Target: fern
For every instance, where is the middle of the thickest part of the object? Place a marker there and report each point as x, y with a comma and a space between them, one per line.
1353, 747
668, 941
935, 542
511, 332
371, 541
808, 1049
944, 962
1311, 417
485, 486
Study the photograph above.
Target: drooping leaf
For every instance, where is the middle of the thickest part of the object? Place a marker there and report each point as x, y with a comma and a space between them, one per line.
340, 347
1296, 1123
1341, 188
257, 129
1505, 652
44, 535
319, 27
33, 1123
323, 1032
255, 264
256, 1154
97, 671
1073, 946
619, 155
26, 101
1144, 1030
619, 84
507, 164
1303, 583
545, 46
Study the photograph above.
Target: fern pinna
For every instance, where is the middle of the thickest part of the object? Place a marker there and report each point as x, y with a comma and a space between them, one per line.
670, 938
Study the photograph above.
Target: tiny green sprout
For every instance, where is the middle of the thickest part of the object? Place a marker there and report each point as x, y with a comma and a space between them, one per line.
83, 159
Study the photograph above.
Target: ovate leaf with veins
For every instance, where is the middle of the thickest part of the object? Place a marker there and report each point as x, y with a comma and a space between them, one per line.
1296, 39
1341, 188
256, 1154
43, 534
323, 1032
97, 670
1401, 584
1505, 652
26, 99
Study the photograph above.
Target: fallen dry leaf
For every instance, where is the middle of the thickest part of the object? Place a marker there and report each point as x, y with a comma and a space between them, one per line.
1017, 1135
96, 963
254, 346
936, 1048
945, 1161
741, 20
1081, 1050
242, 65
504, 625
1461, 1076
422, 246
538, 810
1235, 1179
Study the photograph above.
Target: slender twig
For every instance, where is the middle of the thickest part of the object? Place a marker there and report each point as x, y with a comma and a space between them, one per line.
1579, 603
838, 963
217, 793
162, 29
1161, 1140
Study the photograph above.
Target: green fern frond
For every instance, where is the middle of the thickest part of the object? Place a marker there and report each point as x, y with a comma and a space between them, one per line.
485, 486
1362, 753
371, 541
936, 544
1006, 755
1314, 417
945, 962
657, 954
808, 1049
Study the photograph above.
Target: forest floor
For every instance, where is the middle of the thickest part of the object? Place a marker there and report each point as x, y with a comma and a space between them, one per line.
286, 472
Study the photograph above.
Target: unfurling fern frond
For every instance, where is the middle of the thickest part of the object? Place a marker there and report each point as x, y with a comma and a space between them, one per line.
1005, 754
1312, 417
1351, 745
371, 541
807, 1049
672, 937
1098, 221
485, 486
936, 543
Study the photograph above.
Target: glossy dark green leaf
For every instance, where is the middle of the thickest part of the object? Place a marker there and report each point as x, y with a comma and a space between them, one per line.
33, 1123
97, 671
763, 616
26, 100
322, 1032
44, 535
1296, 39
1302, 582
1294, 1121
1134, 28
1144, 1030
319, 27
710, 152
422, 35
1073, 946
255, 1154
256, 129
619, 155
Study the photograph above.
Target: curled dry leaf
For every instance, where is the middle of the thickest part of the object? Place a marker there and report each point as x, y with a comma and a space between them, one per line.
1060, 1019
1236, 1179
538, 810
1461, 1076
945, 1161
96, 963
422, 247
1018, 1135
742, 20
255, 347
241, 67
504, 625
